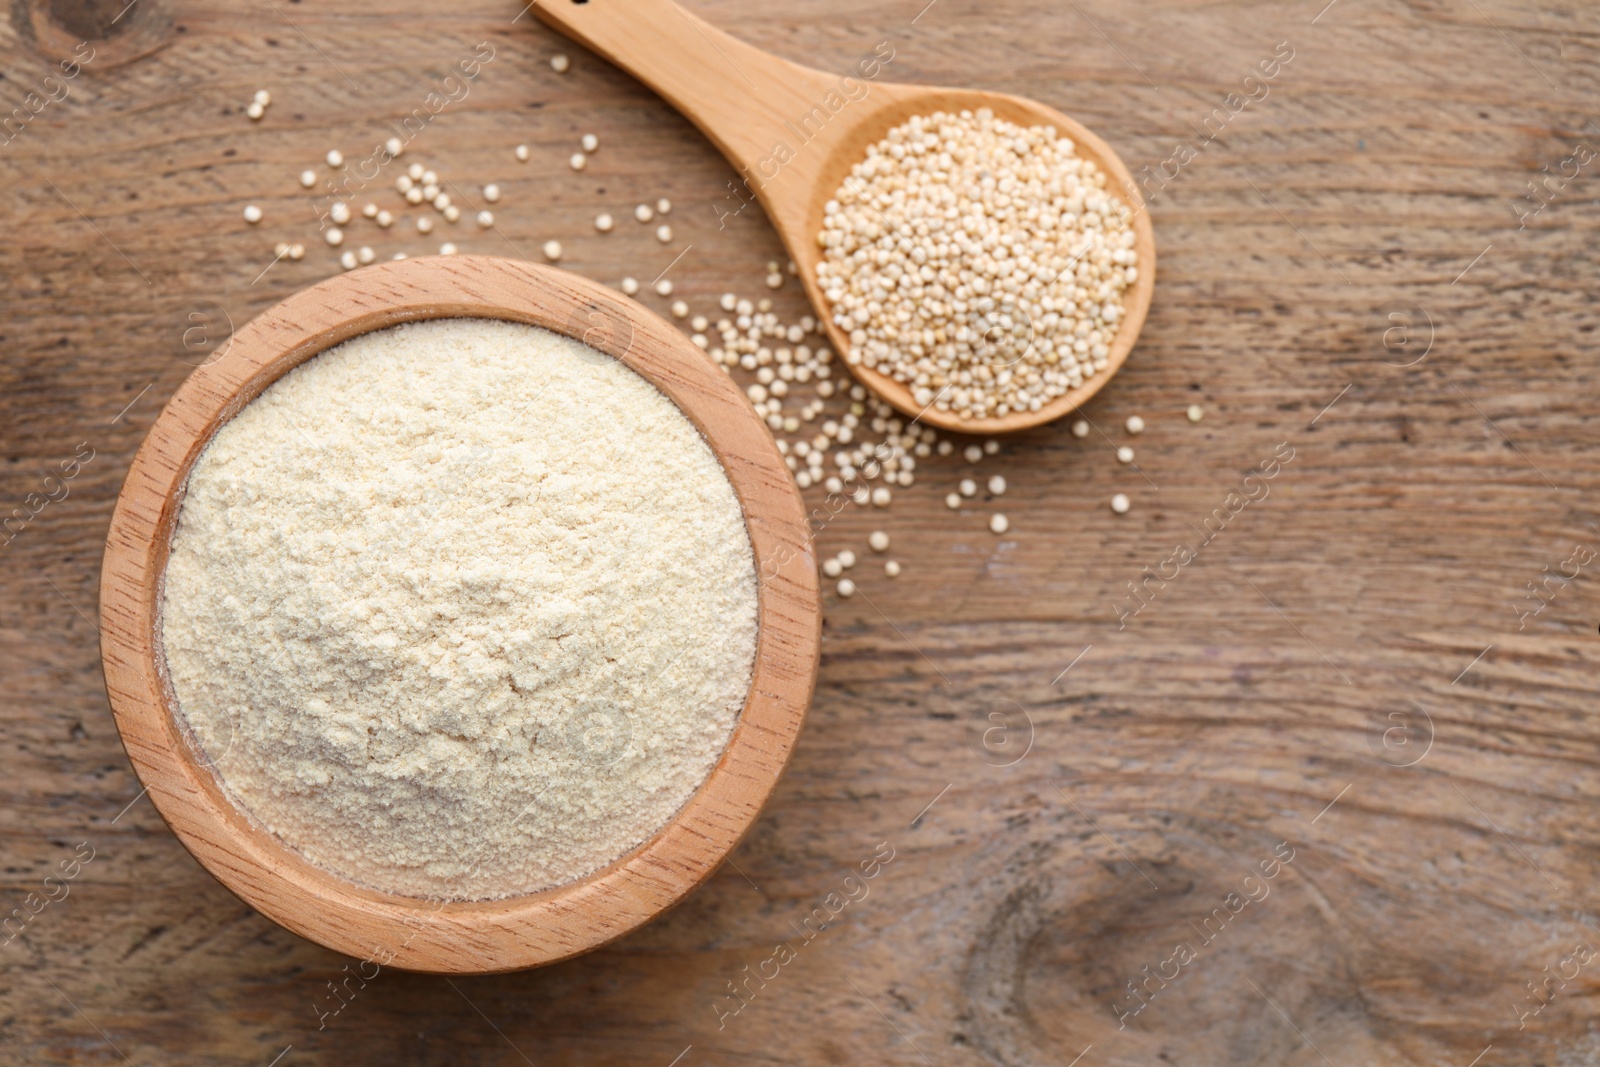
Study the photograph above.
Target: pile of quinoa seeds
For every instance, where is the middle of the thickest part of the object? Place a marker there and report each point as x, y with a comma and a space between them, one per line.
979, 262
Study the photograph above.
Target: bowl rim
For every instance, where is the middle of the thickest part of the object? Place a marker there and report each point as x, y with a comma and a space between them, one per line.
458, 937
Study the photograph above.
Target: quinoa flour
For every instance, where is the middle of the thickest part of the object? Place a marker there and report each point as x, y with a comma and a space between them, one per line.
460, 609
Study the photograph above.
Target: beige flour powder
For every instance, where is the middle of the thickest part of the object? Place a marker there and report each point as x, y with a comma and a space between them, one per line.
461, 609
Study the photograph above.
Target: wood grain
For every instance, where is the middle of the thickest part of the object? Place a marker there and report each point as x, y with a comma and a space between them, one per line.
1384, 161
387, 929
793, 152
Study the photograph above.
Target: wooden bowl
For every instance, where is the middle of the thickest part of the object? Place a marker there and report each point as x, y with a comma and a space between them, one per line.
406, 932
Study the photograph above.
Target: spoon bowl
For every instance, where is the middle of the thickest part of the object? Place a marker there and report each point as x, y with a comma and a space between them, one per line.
794, 133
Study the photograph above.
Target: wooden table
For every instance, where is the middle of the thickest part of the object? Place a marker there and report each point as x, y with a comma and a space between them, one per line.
1350, 687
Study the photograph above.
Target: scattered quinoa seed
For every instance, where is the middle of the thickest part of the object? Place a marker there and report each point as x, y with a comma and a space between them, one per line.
394, 146
892, 568
630, 286
603, 222
878, 541
590, 142
552, 250
348, 261
1124, 454
644, 213
832, 568
335, 158
680, 310
578, 161
1135, 425
847, 588
972, 453
664, 234
447, 249
491, 193
297, 251
252, 214
1120, 504
485, 219
968, 487
664, 206
997, 485
522, 153
308, 178
560, 63
1196, 412
334, 236
664, 287
1080, 428
999, 523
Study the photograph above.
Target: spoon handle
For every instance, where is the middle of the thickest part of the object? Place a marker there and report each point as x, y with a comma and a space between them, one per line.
742, 98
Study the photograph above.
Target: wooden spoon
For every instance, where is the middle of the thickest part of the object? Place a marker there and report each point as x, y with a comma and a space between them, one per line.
794, 133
